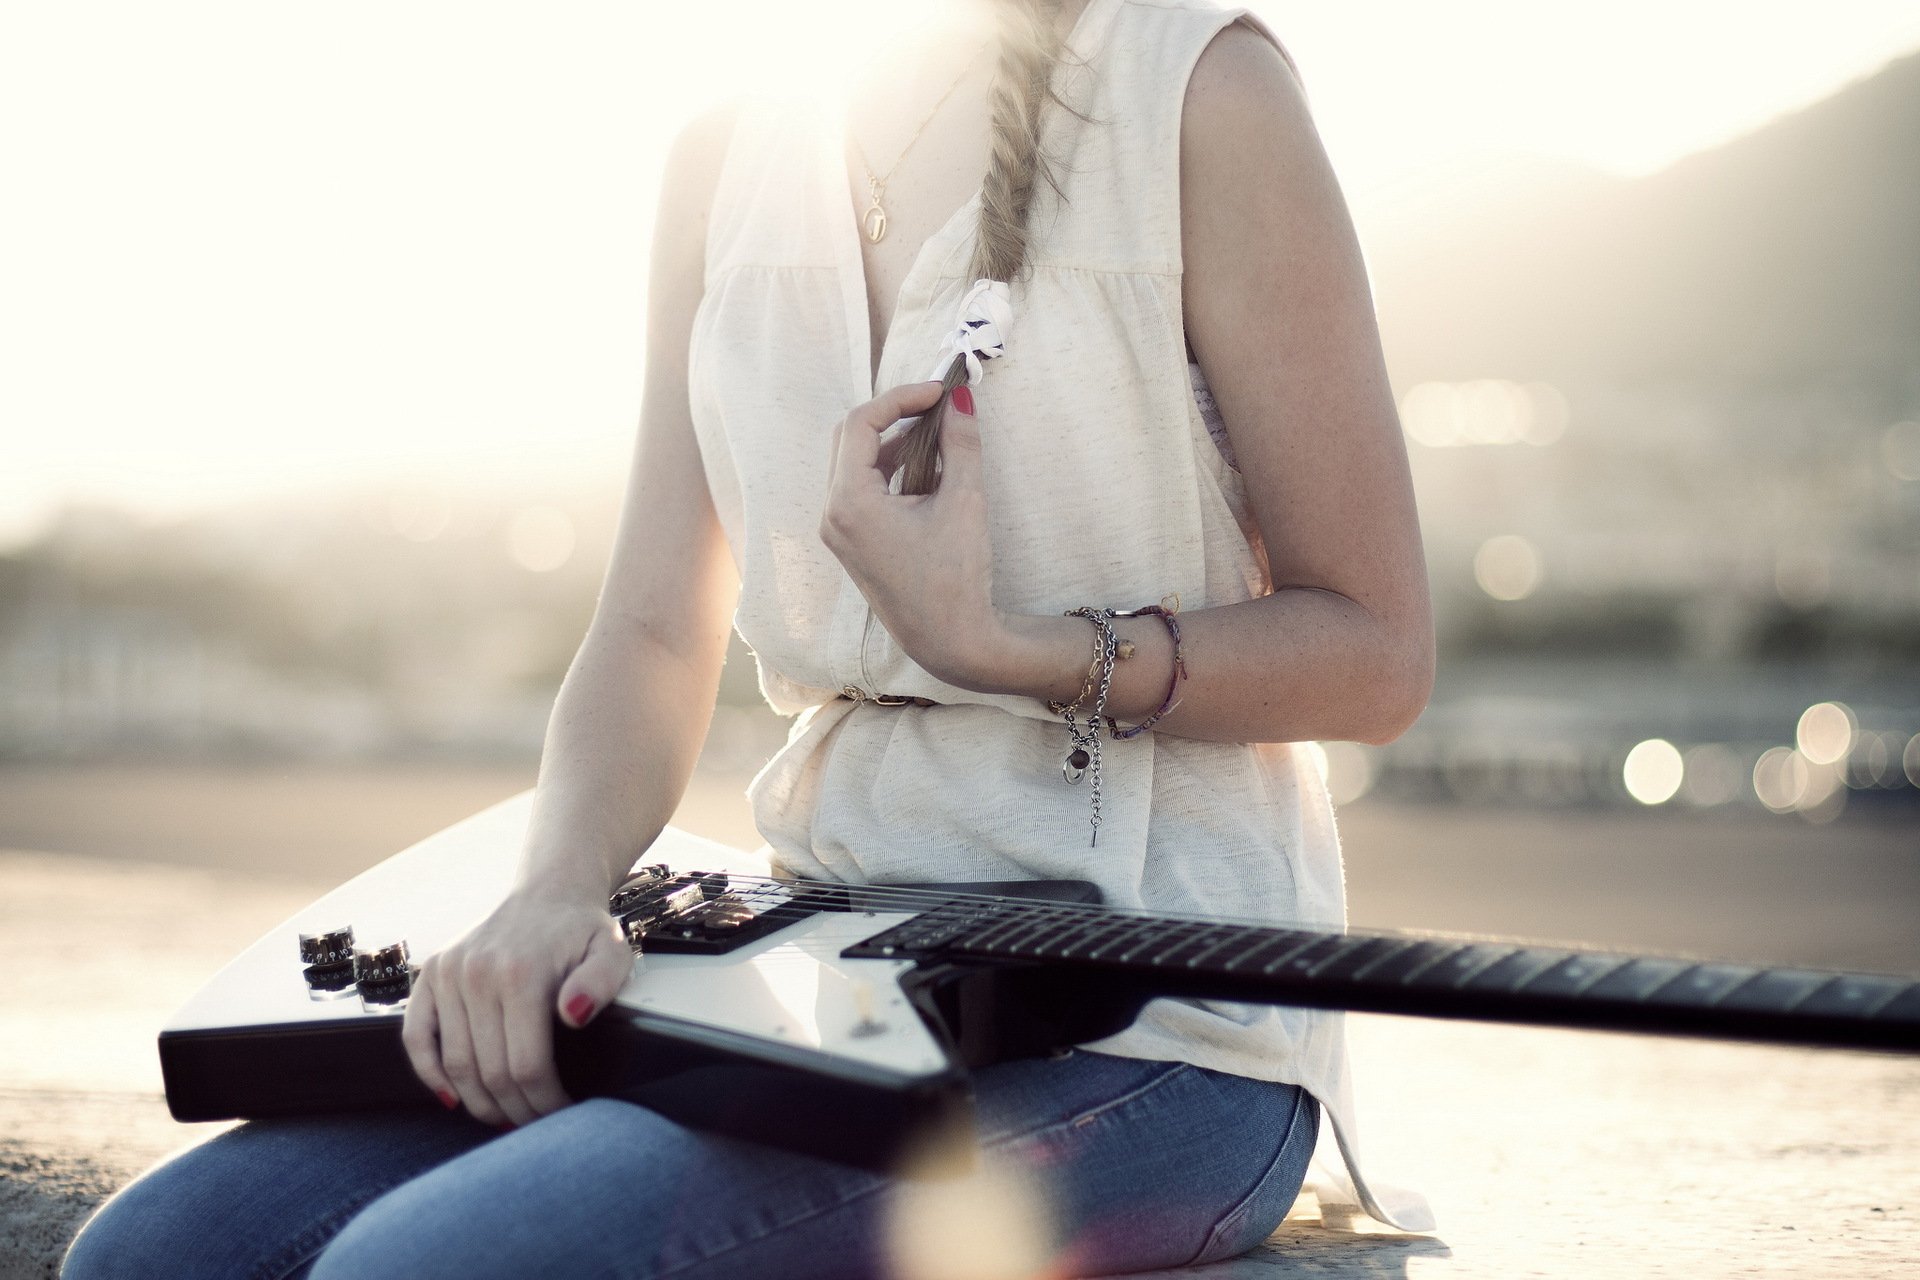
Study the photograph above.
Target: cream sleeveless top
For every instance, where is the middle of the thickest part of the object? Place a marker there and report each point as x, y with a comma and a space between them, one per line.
1104, 486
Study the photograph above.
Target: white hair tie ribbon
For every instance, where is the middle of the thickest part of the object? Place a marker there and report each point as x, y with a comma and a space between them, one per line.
980, 333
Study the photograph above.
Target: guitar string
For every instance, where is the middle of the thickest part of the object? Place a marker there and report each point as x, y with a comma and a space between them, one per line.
927, 899
1008, 909
924, 899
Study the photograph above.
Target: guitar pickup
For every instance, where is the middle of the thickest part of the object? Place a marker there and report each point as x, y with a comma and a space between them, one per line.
699, 912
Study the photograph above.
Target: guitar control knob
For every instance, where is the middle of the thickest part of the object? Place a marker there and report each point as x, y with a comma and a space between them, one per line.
384, 976
335, 946
328, 957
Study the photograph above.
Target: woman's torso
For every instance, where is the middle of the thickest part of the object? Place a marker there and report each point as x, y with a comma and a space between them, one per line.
1104, 486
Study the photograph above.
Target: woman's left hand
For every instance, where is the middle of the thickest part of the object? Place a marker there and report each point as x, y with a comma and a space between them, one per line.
923, 561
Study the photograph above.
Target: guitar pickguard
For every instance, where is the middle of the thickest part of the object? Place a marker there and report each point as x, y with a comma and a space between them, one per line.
794, 988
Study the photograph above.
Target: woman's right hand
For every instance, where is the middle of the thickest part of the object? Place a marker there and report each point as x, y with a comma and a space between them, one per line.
479, 1024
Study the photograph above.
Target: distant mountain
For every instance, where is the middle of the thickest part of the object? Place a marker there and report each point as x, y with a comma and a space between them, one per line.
1790, 256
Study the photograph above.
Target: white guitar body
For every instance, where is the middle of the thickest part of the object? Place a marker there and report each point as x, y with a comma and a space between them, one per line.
784, 1039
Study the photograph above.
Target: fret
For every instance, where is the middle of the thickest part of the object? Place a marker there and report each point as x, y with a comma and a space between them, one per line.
1572, 976
1205, 940
1775, 990
1276, 941
1173, 934
1228, 936
1397, 968
1701, 985
1102, 932
1853, 995
1350, 962
1459, 964
925, 932
1303, 942
994, 932
1157, 934
1637, 978
1081, 930
1302, 959
1904, 1007
1126, 935
1027, 938
1511, 971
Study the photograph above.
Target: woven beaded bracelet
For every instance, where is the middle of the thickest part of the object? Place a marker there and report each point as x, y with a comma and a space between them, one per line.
1179, 667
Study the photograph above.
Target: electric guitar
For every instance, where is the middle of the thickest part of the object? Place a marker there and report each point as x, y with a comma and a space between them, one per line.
842, 1020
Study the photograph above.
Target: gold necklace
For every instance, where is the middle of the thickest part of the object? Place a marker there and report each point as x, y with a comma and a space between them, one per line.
873, 223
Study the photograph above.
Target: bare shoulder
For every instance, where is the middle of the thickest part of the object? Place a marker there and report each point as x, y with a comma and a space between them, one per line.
1252, 167
1244, 95
701, 145
687, 187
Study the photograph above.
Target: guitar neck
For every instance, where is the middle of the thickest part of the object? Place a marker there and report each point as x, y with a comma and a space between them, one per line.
1403, 974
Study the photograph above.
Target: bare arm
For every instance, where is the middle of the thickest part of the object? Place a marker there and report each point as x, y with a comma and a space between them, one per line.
639, 697
1279, 315
1280, 318
626, 728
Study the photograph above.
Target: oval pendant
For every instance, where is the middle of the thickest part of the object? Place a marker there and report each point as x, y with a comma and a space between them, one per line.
1074, 767
874, 223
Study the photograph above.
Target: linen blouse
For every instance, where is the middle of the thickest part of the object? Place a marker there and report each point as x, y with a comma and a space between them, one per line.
1104, 486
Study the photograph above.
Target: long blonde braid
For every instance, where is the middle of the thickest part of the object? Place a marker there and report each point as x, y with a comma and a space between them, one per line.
1030, 46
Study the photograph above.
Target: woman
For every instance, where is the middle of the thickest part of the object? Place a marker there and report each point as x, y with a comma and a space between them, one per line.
1158, 381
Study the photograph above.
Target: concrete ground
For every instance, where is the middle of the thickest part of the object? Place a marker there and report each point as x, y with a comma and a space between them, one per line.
1545, 1153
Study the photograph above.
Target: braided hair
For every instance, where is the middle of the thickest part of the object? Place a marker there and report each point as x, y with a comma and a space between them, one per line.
1030, 46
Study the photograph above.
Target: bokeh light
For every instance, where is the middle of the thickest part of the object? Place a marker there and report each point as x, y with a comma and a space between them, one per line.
1488, 411
1780, 779
540, 539
1653, 771
1871, 762
1348, 768
1825, 733
1825, 797
1507, 567
1711, 775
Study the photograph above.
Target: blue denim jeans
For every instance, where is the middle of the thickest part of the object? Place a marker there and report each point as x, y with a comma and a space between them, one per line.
1101, 1164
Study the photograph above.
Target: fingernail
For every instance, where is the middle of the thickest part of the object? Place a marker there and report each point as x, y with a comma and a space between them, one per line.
963, 399
579, 1009
447, 1099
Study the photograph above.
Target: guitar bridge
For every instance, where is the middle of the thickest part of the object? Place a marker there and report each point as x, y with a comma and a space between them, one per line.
700, 912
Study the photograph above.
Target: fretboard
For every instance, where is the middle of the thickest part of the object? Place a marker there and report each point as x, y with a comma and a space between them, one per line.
1408, 974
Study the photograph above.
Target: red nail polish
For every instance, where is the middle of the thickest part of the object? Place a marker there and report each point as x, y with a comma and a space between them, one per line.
579, 1009
447, 1099
963, 399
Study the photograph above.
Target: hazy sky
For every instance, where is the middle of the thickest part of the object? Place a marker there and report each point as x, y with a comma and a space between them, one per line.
263, 247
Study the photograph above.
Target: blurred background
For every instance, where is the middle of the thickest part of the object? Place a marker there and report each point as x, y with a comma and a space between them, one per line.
322, 332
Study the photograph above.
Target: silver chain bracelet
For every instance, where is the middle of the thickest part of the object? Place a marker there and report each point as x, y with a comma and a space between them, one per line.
1086, 739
